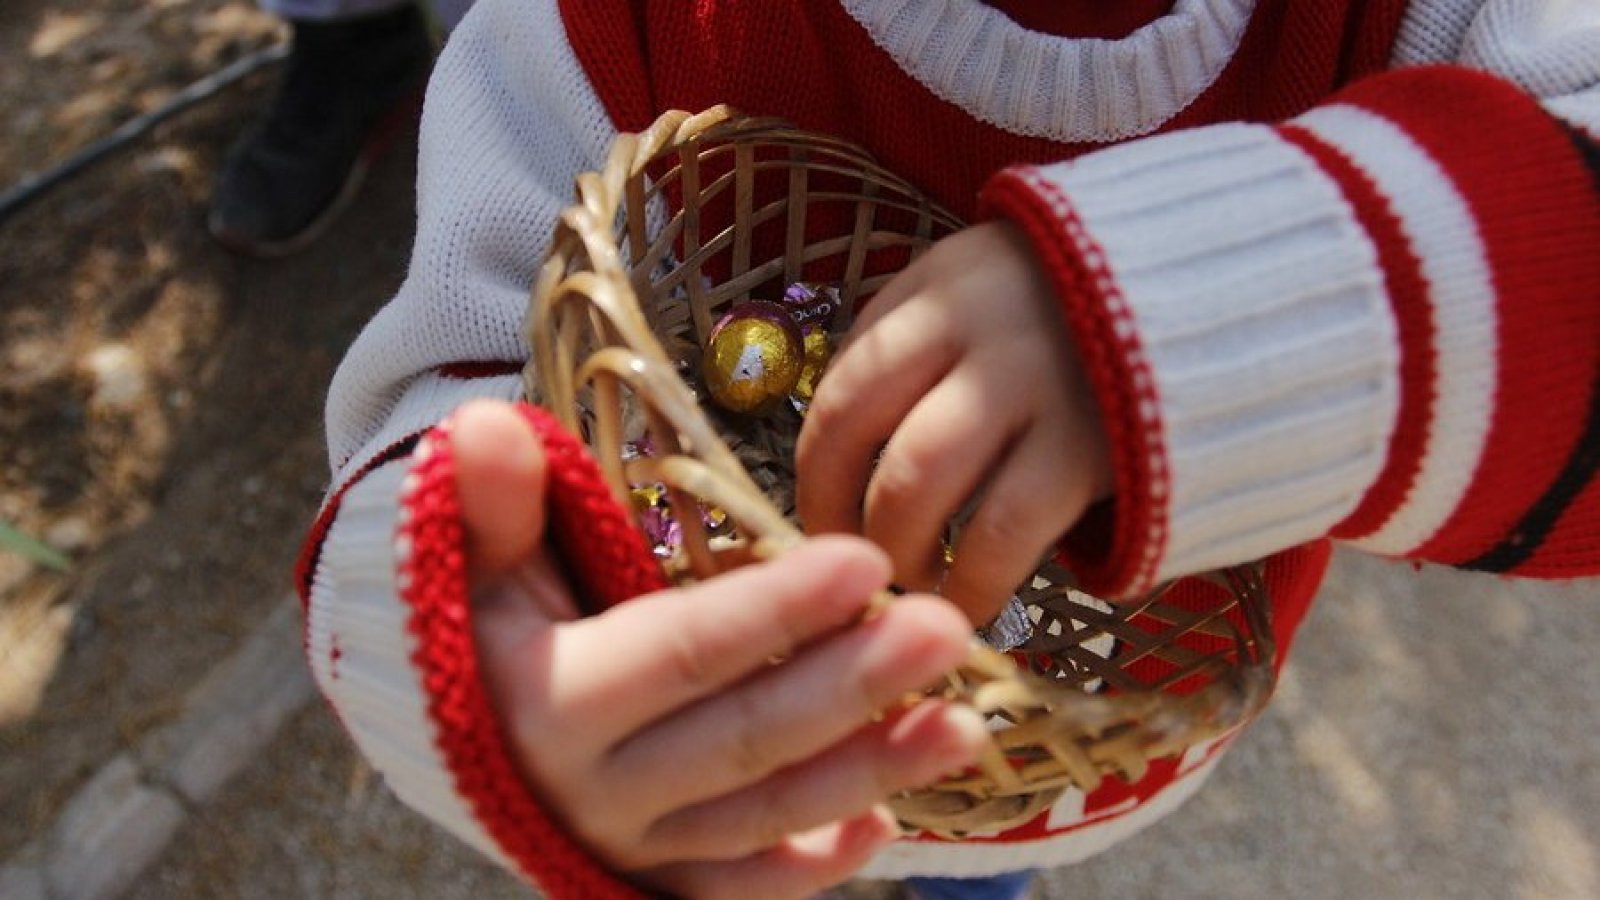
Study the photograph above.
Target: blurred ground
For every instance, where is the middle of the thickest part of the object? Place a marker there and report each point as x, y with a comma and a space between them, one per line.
160, 421
159, 400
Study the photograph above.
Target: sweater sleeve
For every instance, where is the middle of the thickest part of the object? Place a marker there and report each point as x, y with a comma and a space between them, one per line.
1375, 321
509, 120
390, 640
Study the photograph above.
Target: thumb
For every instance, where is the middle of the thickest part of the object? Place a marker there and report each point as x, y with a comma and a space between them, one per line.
500, 476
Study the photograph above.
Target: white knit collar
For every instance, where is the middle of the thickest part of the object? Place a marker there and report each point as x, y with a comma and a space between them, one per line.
1065, 89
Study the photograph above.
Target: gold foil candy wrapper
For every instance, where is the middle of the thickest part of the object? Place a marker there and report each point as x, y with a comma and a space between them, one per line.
818, 353
753, 358
717, 521
649, 496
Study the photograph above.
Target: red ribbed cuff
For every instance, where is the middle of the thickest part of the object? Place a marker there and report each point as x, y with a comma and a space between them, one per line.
1115, 550
608, 562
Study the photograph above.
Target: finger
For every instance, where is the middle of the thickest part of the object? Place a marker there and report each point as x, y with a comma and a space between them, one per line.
799, 867
796, 710
1023, 513
512, 634
647, 658
868, 389
930, 741
904, 285
500, 469
937, 459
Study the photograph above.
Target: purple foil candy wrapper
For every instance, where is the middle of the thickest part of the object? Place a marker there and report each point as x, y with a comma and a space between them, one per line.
815, 307
664, 532
1009, 629
812, 304
658, 530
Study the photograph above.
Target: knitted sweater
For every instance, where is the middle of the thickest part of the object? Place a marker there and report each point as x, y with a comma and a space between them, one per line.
1332, 268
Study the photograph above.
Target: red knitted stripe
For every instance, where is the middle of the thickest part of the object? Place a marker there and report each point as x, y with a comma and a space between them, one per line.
1292, 579
1370, 36
467, 733
607, 36
1409, 296
1101, 327
1571, 545
601, 546
809, 62
1572, 548
1539, 218
1084, 20
481, 369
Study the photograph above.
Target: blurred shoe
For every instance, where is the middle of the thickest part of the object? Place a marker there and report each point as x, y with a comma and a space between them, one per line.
350, 90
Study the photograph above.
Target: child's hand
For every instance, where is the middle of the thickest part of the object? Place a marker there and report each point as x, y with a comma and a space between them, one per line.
661, 734
961, 373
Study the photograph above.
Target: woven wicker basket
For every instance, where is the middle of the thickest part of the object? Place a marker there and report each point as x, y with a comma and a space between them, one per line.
703, 211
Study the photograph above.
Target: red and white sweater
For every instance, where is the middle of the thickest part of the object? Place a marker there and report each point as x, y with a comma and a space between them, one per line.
1334, 269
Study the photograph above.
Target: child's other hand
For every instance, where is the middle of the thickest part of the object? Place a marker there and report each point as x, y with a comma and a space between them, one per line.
961, 373
660, 734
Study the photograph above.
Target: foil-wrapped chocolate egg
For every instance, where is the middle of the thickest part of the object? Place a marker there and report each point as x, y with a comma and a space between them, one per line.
753, 358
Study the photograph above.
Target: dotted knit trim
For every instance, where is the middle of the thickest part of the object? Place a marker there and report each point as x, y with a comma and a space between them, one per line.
433, 583
1104, 328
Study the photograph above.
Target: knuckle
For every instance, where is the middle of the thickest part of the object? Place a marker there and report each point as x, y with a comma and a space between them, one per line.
624, 850
996, 551
829, 408
636, 856
766, 827
895, 485
747, 751
532, 724
706, 886
891, 775
1005, 521
686, 658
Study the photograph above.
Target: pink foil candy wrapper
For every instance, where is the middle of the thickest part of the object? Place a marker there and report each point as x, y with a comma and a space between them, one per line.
664, 533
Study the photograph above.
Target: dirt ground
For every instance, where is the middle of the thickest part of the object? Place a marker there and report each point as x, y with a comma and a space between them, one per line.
159, 400
160, 423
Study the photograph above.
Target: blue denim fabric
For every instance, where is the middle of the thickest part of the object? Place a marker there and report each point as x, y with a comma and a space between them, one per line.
1006, 886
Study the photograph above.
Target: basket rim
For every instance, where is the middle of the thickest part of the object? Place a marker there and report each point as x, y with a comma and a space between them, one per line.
607, 298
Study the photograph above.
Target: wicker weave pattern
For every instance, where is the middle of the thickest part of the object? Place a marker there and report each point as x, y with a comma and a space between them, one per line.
703, 211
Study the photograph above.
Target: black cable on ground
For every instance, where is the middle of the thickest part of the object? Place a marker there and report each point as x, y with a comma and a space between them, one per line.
34, 185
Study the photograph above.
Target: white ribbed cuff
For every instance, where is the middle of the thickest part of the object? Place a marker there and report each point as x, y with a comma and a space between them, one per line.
362, 652
1258, 306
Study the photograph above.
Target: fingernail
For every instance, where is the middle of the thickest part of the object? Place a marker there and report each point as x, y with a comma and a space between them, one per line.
972, 734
